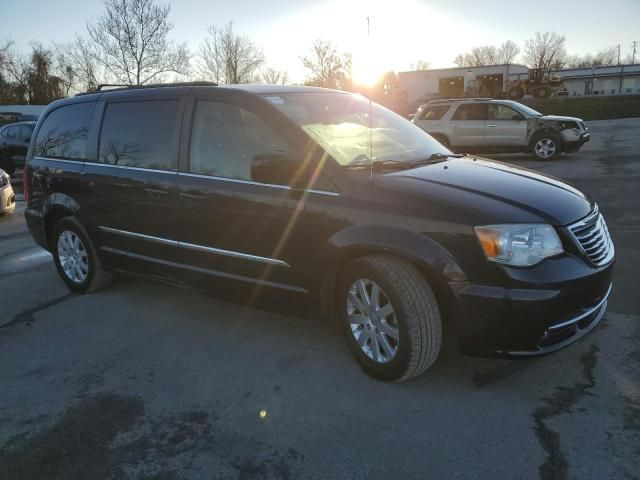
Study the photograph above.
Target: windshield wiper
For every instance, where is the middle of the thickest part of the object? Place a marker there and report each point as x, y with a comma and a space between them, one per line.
441, 156
376, 164
393, 164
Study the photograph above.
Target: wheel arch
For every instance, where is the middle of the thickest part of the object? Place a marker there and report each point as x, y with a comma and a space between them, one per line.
57, 206
545, 130
432, 260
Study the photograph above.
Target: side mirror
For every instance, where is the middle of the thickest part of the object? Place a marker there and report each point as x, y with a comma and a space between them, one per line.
517, 117
27, 140
278, 168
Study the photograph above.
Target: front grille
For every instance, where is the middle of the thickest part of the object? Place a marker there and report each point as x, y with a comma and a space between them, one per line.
593, 236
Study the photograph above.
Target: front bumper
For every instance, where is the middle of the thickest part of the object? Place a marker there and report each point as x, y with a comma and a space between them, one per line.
574, 145
536, 320
7, 199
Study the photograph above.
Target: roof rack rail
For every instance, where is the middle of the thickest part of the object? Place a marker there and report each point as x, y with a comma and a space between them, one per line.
111, 87
460, 99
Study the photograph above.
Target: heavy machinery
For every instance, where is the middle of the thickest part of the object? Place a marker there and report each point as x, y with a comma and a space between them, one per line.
541, 84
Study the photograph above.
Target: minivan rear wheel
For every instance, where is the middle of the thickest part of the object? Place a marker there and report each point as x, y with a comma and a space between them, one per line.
75, 257
390, 317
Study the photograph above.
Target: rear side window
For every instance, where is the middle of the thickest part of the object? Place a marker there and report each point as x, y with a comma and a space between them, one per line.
471, 111
26, 132
434, 113
64, 132
225, 138
13, 132
140, 134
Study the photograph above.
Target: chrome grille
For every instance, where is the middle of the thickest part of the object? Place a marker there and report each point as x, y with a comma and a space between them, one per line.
593, 236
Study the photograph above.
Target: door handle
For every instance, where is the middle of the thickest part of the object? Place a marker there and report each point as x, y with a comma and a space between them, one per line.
491, 125
455, 125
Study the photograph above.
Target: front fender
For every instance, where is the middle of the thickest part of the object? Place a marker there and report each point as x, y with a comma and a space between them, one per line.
431, 258
415, 247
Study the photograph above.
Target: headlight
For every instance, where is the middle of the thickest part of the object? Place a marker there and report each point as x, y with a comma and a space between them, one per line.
519, 245
4, 179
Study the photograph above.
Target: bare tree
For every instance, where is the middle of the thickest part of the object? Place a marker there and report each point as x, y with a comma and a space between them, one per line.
507, 52
603, 58
420, 65
6, 87
30, 78
131, 41
76, 59
326, 67
478, 57
228, 57
545, 50
273, 76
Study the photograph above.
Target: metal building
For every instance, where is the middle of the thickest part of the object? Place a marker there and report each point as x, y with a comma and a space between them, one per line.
490, 81
614, 80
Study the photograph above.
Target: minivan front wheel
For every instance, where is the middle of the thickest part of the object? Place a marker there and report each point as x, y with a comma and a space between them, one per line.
75, 257
390, 317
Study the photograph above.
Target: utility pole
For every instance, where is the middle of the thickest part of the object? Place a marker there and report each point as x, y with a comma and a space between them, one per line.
634, 45
618, 54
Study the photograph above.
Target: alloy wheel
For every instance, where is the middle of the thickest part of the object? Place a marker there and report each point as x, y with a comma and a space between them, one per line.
545, 148
73, 257
373, 320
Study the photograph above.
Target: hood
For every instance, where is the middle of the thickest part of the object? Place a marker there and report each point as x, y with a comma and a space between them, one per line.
559, 118
498, 191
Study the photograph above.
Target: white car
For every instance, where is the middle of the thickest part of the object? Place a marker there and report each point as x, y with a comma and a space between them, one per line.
476, 125
7, 197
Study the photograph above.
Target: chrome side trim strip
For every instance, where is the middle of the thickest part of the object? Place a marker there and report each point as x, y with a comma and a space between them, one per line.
322, 192
232, 180
583, 314
187, 174
251, 182
208, 271
229, 253
75, 162
150, 238
125, 167
199, 248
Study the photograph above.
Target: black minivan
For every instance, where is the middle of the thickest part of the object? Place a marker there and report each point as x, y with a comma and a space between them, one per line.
322, 197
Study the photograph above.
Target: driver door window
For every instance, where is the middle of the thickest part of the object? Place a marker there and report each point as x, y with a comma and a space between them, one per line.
226, 137
502, 112
505, 127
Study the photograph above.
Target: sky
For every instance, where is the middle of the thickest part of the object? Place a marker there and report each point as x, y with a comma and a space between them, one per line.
401, 31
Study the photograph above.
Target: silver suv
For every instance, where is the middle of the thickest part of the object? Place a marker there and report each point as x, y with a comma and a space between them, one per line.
486, 125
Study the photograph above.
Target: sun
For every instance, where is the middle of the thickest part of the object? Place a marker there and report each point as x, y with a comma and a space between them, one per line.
366, 72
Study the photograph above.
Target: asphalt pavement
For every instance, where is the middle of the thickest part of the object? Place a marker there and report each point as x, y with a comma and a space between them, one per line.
148, 381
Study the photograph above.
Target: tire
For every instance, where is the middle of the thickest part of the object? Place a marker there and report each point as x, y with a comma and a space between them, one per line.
64, 230
515, 93
415, 318
541, 144
542, 92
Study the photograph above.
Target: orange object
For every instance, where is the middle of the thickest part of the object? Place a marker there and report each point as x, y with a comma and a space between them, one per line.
489, 239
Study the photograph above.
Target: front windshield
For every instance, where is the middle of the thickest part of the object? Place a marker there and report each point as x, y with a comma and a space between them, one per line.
528, 111
339, 122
